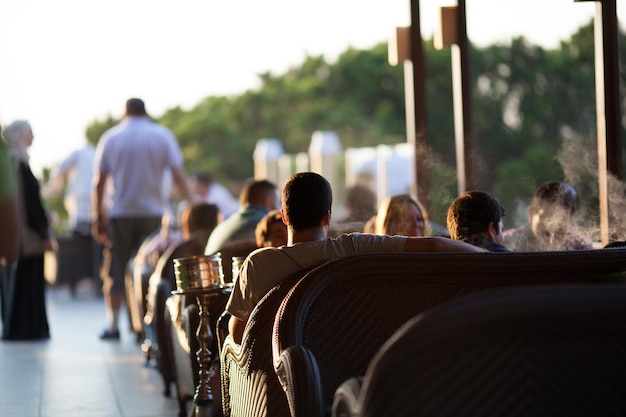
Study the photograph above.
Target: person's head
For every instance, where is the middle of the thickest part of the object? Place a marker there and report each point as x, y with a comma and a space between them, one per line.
401, 215
262, 193
135, 107
19, 136
475, 213
360, 202
200, 183
271, 231
199, 216
552, 208
19, 133
307, 200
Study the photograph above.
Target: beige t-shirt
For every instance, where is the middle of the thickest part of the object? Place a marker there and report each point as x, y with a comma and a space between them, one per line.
266, 267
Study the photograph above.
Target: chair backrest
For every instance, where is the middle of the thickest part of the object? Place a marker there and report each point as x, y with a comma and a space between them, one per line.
249, 384
551, 350
338, 316
182, 249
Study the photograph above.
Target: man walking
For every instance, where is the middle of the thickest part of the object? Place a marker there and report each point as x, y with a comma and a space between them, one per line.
135, 155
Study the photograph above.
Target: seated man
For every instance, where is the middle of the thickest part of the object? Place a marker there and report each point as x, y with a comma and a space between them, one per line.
550, 222
476, 217
306, 204
257, 198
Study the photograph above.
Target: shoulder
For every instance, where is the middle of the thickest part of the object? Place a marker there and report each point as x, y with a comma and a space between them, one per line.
69, 161
270, 265
113, 131
158, 129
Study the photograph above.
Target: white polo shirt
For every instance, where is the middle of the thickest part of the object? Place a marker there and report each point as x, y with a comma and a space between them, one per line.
136, 153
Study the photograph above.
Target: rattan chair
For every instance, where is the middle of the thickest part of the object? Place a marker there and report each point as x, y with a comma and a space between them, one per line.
249, 384
537, 351
336, 318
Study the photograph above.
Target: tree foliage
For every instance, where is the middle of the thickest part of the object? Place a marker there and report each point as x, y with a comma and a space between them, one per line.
529, 104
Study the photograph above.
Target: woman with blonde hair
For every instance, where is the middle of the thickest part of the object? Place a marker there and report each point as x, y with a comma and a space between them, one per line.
401, 215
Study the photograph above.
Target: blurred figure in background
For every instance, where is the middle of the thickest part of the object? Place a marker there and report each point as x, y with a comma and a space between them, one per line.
360, 206
10, 237
213, 192
9, 222
271, 231
476, 217
257, 198
76, 171
550, 227
135, 154
401, 215
26, 317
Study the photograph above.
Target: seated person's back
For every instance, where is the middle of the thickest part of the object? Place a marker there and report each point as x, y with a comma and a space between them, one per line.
257, 198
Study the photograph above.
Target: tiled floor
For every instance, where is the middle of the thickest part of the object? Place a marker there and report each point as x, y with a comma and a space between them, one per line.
74, 373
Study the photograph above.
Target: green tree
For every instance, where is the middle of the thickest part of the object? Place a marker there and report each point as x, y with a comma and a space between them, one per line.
530, 106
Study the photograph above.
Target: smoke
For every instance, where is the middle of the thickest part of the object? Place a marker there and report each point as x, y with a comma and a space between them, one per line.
579, 161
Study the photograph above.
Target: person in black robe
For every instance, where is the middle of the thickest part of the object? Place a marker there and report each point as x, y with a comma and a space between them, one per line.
26, 317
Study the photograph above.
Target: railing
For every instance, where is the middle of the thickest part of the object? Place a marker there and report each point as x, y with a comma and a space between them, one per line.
386, 169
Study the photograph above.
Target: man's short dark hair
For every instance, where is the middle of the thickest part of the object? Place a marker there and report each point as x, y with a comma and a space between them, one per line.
471, 214
135, 107
200, 216
256, 191
307, 197
202, 177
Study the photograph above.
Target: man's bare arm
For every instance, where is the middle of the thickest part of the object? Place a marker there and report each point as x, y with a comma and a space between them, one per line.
438, 244
100, 224
180, 179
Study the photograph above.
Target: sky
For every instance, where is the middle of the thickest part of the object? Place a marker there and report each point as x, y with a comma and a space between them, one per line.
66, 63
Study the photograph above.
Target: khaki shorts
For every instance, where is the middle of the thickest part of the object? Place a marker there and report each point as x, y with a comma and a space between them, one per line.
125, 236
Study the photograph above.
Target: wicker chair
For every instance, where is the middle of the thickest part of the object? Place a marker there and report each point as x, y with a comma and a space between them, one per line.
336, 318
539, 351
249, 384
162, 282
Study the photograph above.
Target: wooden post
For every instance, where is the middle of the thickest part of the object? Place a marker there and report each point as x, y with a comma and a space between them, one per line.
416, 109
608, 111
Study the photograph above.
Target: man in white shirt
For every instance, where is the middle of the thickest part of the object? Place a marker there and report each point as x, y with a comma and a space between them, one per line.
135, 154
77, 171
213, 192
306, 205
